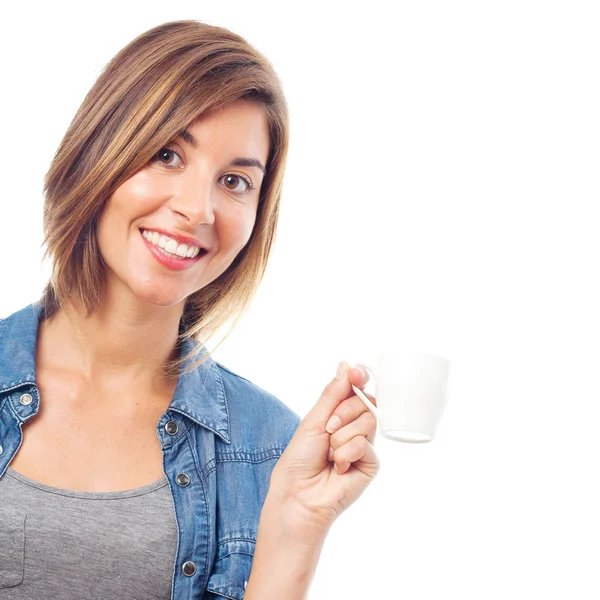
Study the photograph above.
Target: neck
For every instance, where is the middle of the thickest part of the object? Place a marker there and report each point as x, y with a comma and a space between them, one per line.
122, 340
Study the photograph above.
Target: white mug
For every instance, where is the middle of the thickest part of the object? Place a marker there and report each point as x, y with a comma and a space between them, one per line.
411, 392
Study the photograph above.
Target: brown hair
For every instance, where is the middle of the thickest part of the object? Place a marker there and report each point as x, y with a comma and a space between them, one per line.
149, 92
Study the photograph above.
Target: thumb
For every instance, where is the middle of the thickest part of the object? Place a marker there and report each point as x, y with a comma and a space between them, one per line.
337, 390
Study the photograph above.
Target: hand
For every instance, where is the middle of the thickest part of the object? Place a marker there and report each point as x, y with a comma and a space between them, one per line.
313, 485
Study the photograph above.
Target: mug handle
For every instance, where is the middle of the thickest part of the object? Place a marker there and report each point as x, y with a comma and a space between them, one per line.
374, 410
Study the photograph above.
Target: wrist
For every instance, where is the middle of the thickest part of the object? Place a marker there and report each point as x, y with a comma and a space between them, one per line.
294, 522
287, 552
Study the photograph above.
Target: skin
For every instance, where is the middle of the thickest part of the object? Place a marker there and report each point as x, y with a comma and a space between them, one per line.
103, 392
321, 482
113, 374
308, 492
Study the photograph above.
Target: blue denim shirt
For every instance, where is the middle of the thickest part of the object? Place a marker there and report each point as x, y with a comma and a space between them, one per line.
228, 436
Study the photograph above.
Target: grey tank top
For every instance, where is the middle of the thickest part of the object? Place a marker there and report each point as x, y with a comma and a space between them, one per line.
68, 545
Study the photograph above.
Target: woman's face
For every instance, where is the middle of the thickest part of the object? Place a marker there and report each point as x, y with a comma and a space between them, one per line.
177, 224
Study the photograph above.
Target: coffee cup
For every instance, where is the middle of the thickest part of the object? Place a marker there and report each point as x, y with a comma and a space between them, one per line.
411, 391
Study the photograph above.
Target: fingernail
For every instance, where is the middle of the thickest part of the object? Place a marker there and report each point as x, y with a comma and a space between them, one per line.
341, 371
362, 370
333, 424
330, 454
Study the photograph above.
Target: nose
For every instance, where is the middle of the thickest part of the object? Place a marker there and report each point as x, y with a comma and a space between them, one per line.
194, 201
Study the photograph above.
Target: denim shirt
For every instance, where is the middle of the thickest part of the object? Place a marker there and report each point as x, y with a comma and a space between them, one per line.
222, 431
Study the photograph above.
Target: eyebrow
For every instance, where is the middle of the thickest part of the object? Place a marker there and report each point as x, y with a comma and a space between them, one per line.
236, 162
189, 138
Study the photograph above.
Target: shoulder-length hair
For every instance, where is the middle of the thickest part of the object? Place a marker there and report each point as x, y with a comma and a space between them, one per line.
148, 94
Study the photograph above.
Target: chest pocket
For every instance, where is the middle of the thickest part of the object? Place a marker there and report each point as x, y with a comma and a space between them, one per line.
12, 549
231, 570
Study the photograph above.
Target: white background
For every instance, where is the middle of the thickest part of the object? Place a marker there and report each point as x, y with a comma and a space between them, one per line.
442, 191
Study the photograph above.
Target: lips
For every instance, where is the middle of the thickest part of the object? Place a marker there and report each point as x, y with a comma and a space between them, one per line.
169, 253
171, 245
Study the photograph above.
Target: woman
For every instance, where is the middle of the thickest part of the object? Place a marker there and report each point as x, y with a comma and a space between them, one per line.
132, 465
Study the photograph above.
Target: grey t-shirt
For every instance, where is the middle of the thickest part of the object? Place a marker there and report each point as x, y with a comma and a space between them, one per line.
69, 545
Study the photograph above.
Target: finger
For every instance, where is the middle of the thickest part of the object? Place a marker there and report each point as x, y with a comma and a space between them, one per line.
359, 376
362, 377
357, 450
346, 412
365, 425
336, 391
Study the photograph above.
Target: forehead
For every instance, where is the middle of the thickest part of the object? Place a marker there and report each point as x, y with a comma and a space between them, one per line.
242, 123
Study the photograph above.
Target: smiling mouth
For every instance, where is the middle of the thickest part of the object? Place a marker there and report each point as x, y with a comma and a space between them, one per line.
170, 247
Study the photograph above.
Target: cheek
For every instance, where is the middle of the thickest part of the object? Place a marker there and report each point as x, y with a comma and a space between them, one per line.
239, 230
138, 192
134, 197
121, 207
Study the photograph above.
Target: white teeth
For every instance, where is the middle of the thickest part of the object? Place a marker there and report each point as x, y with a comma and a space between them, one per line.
171, 246
181, 250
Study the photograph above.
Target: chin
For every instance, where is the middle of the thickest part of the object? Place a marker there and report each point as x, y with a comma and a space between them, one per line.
161, 297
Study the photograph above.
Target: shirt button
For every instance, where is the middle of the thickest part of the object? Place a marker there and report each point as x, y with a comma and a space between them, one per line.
26, 399
1, 449
182, 479
189, 568
171, 428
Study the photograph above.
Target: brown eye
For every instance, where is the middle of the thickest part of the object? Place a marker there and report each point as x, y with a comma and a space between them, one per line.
168, 158
237, 183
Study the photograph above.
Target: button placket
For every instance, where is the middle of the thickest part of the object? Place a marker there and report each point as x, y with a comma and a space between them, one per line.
182, 472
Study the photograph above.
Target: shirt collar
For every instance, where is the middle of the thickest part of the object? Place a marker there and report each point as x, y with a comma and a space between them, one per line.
199, 394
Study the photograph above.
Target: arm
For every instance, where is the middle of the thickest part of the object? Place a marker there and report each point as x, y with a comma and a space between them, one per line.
284, 565
322, 472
